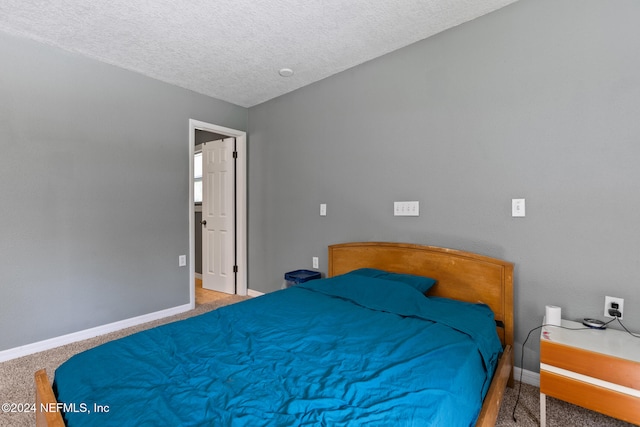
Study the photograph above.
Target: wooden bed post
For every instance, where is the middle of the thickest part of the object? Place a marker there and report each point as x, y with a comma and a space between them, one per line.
47, 413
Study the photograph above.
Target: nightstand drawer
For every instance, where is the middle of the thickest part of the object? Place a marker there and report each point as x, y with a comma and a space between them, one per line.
604, 400
597, 365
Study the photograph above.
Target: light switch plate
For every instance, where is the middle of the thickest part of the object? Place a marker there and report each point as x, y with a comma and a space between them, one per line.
517, 208
406, 208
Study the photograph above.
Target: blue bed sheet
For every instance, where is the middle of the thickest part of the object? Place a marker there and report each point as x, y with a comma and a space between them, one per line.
345, 351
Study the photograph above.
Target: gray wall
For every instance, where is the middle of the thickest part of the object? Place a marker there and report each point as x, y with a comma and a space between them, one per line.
539, 100
94, 191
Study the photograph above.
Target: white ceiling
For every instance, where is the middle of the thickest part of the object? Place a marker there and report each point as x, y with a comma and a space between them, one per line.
233, 49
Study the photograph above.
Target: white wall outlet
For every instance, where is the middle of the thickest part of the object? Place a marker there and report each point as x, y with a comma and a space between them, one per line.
182, 260
316, 263
323, 209
406, 208
517, 207
607, 306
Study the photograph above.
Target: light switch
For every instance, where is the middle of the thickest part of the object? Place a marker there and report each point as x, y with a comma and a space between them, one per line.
517, 207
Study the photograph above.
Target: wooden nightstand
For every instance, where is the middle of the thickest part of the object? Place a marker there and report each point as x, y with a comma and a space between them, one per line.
595, 369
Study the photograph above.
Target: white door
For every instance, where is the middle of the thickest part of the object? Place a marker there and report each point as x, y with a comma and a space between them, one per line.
218, 216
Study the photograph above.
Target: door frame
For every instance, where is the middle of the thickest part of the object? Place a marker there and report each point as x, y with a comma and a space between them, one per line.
241, 204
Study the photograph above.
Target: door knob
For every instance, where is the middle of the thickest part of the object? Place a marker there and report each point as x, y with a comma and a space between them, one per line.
203, 221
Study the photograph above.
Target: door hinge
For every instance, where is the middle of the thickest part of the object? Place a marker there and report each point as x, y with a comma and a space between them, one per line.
235, 154
235, 268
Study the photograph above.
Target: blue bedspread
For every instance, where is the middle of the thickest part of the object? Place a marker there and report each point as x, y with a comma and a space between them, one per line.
344, 351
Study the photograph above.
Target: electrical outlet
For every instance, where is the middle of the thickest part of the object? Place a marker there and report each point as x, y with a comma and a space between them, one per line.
182, 260
613, 300
315, 262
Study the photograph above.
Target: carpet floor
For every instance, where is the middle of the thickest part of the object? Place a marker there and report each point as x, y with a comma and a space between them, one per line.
16, 383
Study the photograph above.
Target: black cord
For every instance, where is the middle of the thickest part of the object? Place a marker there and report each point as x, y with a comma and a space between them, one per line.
513, 414
625, 328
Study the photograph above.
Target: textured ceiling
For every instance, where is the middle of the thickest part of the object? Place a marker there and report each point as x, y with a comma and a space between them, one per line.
232, 49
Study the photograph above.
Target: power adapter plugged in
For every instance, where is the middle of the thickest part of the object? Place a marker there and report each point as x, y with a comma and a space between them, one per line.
613, 307
613, 311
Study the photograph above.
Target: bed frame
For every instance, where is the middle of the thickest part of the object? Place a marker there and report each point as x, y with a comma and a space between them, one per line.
460, 275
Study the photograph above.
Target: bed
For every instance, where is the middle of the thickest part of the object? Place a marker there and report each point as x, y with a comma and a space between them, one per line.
362, 347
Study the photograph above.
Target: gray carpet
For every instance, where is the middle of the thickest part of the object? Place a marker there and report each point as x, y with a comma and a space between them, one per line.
16, 384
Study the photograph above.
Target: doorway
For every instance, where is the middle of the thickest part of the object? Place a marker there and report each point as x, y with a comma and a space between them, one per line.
240, 203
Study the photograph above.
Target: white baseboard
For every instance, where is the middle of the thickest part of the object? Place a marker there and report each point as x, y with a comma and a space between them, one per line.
253, 293
528, 377
197, 276
48, 344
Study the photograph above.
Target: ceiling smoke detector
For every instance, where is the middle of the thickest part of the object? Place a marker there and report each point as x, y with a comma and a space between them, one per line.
286, 72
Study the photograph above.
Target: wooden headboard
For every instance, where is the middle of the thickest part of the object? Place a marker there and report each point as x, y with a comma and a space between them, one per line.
460, 275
